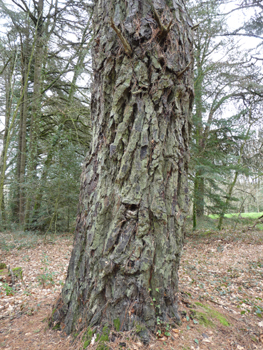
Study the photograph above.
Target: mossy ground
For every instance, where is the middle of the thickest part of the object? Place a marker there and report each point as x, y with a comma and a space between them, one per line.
211, 313
101, 337
117, 324
87, 337
203, 319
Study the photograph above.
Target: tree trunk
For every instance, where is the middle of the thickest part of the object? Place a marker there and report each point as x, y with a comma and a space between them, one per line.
8, 76
199, 137
35, 110
8, 94
134, 193
198, 198
199, 189
21, 162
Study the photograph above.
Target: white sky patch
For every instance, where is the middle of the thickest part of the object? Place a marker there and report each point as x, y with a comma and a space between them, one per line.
236, 19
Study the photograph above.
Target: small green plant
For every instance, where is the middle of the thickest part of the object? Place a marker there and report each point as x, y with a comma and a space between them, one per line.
255, 307
45, 259
8, 290
26, 258
18, 272
167, 331
56, 327
46, 279
26, 292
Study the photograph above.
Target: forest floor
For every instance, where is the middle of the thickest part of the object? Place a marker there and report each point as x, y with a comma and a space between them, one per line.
220, 298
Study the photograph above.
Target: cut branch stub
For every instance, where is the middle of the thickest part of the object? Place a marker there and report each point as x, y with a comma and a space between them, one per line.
163, 29
179, 74
125, 44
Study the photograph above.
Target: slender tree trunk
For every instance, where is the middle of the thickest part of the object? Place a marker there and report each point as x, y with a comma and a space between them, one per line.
8, 103
44, 174
199, 185
82, 54
134, 192
77, 71
199, 193
8, 85
198, 200
36, 110
200, 207
21, 162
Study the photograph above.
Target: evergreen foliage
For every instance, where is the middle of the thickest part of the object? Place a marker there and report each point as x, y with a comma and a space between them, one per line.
222, 76
45, 110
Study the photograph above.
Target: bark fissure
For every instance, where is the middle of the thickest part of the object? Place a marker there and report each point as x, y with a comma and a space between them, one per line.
134, 198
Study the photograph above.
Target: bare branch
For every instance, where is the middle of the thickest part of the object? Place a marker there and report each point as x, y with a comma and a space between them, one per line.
240, 34
26, 9
2, 71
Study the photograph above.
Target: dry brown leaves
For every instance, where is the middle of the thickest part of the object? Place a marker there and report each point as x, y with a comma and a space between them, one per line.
224, 274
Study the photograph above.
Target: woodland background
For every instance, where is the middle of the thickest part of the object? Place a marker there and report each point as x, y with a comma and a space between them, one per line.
45, 79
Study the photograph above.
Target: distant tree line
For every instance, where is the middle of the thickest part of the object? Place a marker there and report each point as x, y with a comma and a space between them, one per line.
45, 103
45, 77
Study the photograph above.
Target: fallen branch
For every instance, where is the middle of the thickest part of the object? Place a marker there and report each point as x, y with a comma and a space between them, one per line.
259, 221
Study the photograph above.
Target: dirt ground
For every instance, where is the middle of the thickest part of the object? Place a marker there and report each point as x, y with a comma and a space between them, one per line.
220, 294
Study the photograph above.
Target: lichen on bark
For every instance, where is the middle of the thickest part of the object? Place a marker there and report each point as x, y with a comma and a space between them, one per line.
134, 193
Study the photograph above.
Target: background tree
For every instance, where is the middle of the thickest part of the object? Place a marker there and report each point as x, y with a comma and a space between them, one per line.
53, 106
221, 84
8, 58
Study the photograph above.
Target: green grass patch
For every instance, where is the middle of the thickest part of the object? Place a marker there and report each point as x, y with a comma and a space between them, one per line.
235, 215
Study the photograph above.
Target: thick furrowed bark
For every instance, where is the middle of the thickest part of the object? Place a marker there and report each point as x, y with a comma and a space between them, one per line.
134, 194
